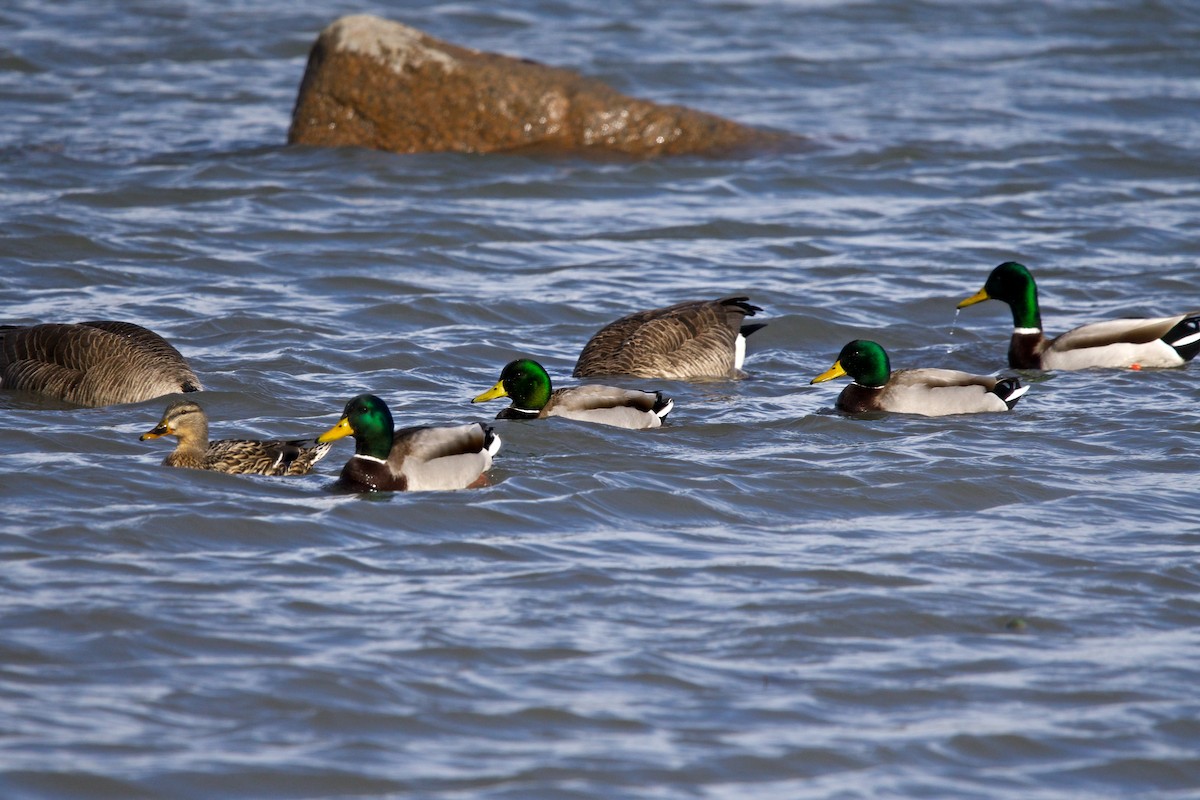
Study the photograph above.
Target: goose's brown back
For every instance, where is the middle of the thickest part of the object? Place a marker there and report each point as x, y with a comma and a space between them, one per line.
695, 339
95, 363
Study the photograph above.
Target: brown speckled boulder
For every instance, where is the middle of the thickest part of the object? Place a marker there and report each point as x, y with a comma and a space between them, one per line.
375, 83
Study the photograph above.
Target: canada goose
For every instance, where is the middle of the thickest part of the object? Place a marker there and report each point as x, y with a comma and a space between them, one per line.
696, 339
95, 363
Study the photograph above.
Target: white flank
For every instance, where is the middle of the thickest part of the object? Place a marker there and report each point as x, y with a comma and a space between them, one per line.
1123, 354
739, 351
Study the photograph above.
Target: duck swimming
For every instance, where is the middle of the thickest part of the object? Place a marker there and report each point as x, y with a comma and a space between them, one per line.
1135, 342
928, 392
528, 384
420, 458
186, 420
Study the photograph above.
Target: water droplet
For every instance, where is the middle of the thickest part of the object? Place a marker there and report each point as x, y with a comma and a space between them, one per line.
953, 325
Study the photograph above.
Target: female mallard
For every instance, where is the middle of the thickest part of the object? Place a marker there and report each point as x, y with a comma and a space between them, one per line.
696, 339
1147, 342
92, 363
187, 421
929, 392
528, 384
410, 459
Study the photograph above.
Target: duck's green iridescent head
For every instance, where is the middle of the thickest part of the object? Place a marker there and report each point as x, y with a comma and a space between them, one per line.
864, 361
1011, 283
368, 419
525, 381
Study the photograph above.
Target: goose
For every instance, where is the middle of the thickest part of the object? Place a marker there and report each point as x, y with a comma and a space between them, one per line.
420, 458
695, 339
1134, 343
528, 384
928, 392
186, 420
96, 363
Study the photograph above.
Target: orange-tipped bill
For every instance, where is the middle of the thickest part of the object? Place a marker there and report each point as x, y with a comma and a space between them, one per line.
158, 430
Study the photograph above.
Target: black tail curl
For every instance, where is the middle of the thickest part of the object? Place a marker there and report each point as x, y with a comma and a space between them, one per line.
1185, 337
1010, 391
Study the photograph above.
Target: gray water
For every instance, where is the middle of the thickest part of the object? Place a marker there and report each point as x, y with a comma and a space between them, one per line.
764, 599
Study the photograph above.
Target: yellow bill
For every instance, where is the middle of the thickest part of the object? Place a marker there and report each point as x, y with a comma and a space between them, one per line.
836, 371
492, 393
978, 297
336, 432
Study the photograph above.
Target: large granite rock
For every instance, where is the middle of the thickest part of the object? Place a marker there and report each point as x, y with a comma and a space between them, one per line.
376, 83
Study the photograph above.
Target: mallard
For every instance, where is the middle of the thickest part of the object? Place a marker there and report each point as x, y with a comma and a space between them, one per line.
929, 392
696, 339
187, 421
1136, 343
410, 459
95, 363
528, 384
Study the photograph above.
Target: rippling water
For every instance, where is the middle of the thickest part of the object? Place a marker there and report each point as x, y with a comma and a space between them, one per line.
762, 599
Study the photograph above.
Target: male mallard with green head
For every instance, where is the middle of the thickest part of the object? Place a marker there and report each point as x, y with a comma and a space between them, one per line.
928, 392
413, 459
187, 421
686, 341
528, 384
1140, 342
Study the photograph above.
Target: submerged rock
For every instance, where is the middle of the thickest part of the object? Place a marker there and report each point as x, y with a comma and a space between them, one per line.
375, 83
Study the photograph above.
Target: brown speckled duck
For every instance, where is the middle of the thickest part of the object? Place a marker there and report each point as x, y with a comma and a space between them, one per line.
185, 420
